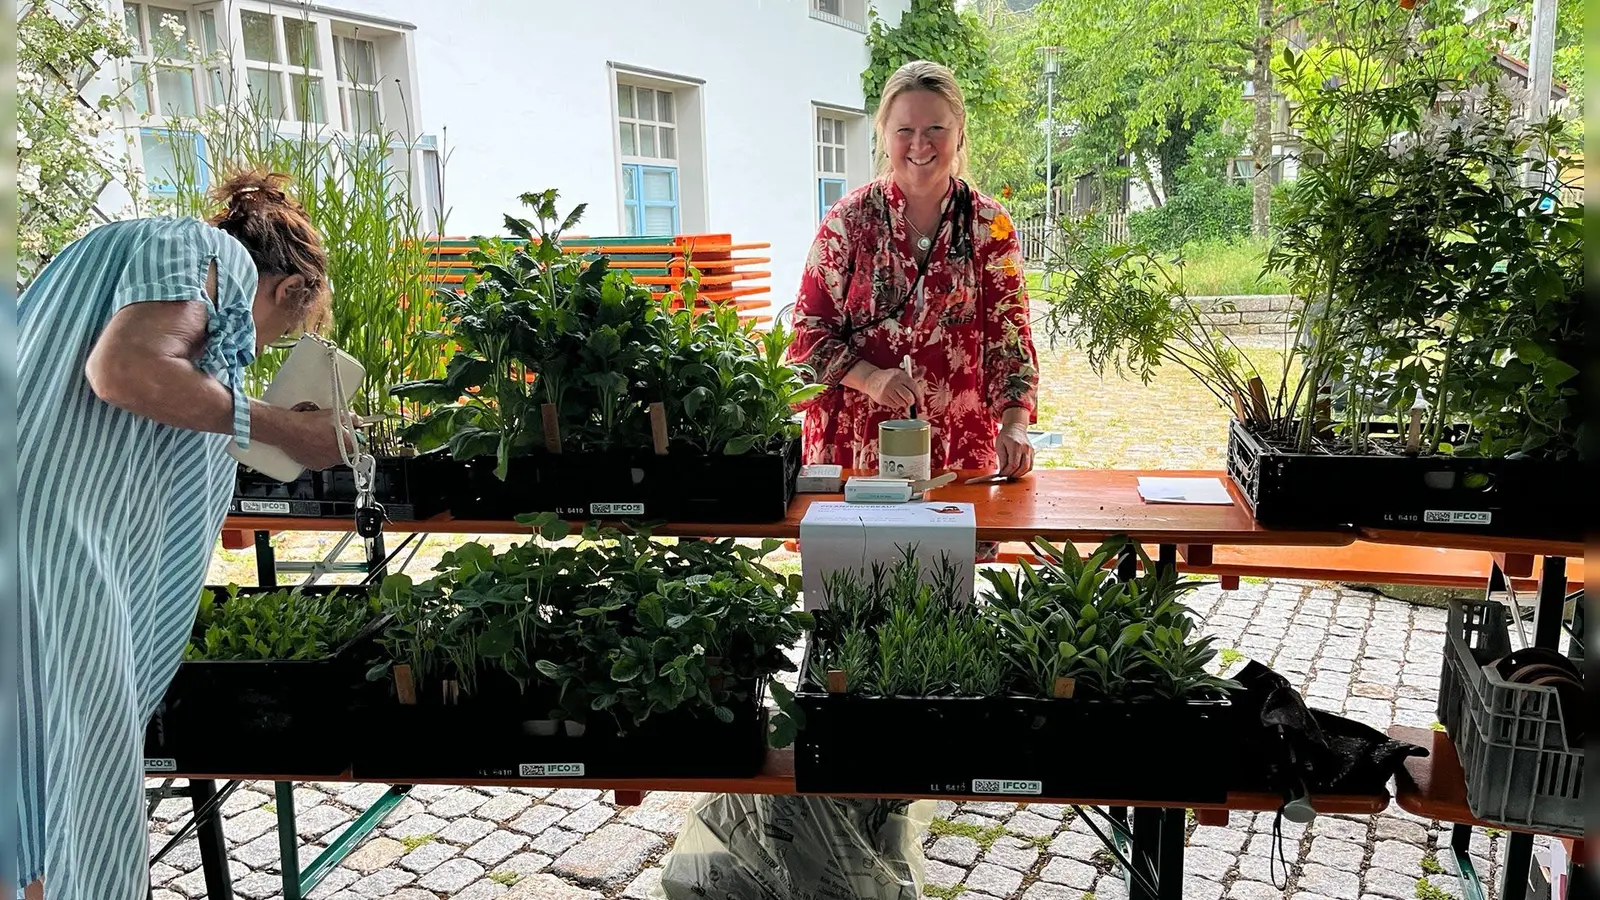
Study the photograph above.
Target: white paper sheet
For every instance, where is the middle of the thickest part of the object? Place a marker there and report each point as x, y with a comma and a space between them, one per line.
1201, 491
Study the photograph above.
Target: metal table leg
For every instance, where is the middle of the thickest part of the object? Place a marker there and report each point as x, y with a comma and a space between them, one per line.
213, 848
1158, 850
297, 884
266, 561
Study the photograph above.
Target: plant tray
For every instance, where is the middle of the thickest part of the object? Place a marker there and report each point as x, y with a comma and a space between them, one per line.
409, 488
1017, 747
679, 487
240, 717
499, 740
1525, 498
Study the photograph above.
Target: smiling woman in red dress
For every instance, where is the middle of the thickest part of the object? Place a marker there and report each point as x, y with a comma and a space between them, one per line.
918, 264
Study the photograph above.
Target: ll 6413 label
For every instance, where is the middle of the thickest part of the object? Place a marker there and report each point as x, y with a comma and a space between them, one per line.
550, 770
1003, 786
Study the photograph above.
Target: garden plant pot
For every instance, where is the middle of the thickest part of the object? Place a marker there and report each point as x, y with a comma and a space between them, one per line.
240, 717
410, 488
1014, 747
489, 738
1523, 498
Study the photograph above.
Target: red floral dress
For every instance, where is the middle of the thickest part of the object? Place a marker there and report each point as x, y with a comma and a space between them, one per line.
966, 330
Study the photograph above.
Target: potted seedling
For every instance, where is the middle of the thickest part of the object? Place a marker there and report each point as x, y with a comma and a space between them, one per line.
600, 652
578, 391
1013, 684
269, 682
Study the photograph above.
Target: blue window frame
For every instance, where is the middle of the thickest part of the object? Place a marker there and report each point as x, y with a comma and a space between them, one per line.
829, 190
650, 200
167, 152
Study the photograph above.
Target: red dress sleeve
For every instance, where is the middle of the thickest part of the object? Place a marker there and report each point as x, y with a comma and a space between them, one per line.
1010, 363
818, 310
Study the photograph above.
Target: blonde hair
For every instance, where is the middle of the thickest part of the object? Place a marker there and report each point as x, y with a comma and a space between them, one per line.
922, 75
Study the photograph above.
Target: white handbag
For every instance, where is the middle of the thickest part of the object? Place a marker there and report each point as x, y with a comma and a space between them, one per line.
307, 376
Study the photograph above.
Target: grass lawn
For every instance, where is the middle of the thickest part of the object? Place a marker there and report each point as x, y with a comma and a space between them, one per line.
1216, 268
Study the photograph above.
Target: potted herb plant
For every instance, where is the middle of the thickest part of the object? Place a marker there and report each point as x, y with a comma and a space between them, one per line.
576, 390
1059, 680
1438, 253
611, 654
269, 682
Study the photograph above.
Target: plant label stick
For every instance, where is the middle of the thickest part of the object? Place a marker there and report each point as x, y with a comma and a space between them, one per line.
1414, 431
404, 687
1064, 687
1258, 400
1238, 408
552, 427
452, 692
658, 427
836, 681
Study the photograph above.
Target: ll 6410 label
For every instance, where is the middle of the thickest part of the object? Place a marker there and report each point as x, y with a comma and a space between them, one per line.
270, 507
152, 764
1455, 517
1002, 786
550, 770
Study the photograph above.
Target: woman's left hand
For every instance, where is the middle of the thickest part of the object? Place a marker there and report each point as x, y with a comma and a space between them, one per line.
1014, 450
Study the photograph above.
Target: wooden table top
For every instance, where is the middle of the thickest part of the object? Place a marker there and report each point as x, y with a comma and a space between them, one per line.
1434, 786
1056, 504
777, 779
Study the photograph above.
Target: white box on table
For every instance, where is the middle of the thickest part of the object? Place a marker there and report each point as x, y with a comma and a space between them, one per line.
836, 536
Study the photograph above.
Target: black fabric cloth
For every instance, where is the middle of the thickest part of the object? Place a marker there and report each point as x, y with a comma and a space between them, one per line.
1292, 749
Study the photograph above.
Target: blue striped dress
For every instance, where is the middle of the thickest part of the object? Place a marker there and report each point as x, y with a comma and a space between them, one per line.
118, 518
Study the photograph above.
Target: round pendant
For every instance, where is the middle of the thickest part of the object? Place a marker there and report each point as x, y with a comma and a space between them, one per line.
924, 243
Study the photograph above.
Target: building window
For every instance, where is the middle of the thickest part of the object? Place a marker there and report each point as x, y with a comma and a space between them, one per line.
277, 48
355, 66
164, 78
172, 157
647, 133
851, 14
832, 168
1244, 171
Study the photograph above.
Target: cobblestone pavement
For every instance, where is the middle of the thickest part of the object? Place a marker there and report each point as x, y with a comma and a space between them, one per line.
1370, 658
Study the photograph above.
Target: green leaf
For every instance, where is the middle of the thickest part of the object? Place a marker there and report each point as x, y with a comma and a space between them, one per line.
625, 669
723, 714
495, 642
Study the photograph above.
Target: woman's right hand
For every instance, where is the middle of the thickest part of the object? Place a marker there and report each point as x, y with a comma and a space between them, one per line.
887, 387
306, 433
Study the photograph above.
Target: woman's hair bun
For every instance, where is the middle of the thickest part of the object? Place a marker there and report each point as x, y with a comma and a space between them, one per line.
253, 186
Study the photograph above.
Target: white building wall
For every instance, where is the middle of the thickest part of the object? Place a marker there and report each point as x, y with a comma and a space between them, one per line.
525, 93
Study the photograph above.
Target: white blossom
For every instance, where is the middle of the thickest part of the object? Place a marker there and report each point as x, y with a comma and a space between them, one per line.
173, 27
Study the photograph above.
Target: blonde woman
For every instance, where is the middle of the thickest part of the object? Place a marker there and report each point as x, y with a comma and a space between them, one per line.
918, 264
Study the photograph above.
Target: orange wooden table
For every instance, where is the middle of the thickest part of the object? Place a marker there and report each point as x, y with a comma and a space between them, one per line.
1056, 504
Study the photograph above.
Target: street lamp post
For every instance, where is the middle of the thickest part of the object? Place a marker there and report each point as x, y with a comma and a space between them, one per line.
1051, 67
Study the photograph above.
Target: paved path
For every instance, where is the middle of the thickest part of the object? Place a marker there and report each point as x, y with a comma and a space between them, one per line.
1370, 658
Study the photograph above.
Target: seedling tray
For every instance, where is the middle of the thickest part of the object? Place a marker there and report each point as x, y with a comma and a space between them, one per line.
1525, 498
679, 486
499, 740
1014, 747
409, 488
230, 717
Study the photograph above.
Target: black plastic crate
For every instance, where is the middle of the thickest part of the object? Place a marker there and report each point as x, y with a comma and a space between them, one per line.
680, 487
241, 717
409, 488
493, 738
1526, 498
1014, 747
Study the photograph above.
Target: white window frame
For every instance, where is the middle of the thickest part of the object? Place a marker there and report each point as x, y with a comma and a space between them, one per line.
281, 70
347, 87
851, 14
851, 144
832, 158
144, 64
635, 164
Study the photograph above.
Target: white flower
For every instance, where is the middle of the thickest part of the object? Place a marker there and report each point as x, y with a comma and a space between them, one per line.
28, 179
173, 27
699, 650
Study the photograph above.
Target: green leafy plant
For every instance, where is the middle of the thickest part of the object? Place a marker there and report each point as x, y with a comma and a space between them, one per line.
900, 632
543, 331
276, 625
612, 622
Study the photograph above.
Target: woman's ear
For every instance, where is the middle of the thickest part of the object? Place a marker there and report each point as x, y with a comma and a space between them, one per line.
289, 294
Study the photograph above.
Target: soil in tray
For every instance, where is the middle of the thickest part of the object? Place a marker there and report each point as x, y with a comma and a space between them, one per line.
491, 739
1531, 498
1015, 746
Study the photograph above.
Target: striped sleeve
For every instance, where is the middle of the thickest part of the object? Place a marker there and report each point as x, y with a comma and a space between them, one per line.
172, 264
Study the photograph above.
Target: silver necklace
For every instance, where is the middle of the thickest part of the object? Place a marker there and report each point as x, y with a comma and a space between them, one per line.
923, 241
